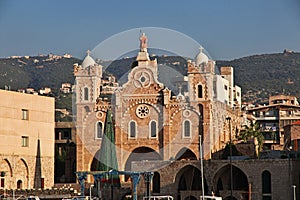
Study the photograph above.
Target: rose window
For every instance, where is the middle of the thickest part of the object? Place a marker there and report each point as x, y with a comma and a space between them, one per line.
142, 111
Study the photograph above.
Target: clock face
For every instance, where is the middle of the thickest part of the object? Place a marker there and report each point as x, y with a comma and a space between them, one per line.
142, 79
142, 111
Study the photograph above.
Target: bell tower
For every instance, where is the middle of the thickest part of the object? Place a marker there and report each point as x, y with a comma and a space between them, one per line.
87, 89
87, 80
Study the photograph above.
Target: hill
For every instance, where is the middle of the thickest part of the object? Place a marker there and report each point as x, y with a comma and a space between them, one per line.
36, 72
258, 75
263, 75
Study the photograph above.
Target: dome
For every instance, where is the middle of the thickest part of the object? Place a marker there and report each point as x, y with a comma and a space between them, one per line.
201, 58
88, 60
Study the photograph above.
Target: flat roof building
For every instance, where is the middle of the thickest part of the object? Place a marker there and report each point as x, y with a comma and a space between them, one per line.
27, 140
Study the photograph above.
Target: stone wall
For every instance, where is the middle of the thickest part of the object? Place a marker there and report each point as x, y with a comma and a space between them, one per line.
284, 173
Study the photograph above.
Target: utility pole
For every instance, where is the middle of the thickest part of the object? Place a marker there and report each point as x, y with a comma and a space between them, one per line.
230, 156
201, 165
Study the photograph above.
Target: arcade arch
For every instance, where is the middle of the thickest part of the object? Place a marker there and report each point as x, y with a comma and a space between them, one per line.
222, 182
139, 154
189, 179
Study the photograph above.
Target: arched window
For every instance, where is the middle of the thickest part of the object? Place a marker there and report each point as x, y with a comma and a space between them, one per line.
200, 91
99, 130
266, 186
153, 129
86, 94
132, 129
186, 128
156, 183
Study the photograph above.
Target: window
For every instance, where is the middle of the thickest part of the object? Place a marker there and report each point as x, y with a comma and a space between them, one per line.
66, 134
225, 87
2, 182
132, 129
63, 134
86, 94
156, 183
25, 141
99, 130
200, 91
186, 128
153, 129
57, 135
25, 114
266, 186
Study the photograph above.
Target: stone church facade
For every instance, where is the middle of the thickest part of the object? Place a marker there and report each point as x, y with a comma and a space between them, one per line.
151, 122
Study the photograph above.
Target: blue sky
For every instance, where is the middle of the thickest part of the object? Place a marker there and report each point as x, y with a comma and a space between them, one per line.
227, 29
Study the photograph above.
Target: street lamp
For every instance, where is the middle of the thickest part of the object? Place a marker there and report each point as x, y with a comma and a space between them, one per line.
294, 192
91, 191
290, 167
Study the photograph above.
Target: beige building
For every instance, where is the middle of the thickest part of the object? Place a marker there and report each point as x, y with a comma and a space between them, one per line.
27, 140
282, 111
153, 121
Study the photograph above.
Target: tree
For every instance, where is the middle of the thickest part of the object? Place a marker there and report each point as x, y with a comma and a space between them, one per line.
253, 132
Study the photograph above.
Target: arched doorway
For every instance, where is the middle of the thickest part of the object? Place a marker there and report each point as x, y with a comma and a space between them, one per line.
19, 184
185, 154
224, 185
22, 172
189, 179
139, 154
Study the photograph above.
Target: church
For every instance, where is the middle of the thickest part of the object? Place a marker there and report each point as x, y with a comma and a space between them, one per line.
152, 122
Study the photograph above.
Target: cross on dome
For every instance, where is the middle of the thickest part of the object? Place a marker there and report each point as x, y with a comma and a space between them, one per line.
201, 49
88, 60
201, 57
88, 52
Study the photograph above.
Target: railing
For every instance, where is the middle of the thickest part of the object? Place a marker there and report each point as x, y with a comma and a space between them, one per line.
167, 197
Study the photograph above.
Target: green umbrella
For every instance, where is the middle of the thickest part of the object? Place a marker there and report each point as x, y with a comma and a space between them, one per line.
107, 156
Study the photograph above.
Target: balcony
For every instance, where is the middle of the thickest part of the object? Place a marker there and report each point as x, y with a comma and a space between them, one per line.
270, 118
271, 137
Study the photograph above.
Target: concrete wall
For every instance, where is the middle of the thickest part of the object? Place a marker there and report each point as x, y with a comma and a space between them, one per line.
19, 160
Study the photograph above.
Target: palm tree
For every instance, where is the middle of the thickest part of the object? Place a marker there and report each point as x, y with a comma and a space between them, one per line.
253, 132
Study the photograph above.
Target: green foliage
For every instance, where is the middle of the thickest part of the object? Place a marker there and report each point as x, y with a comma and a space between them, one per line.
23, 73
60, 117
64, 101
60, 160
253, 131
260, 76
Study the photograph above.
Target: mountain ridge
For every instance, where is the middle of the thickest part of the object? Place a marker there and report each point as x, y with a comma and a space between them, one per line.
259, 75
